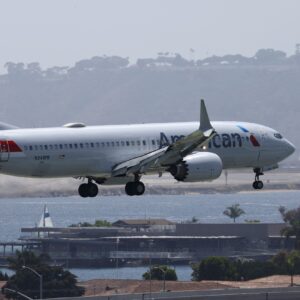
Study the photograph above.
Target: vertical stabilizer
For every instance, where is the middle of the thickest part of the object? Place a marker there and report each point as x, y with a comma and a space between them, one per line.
205, 124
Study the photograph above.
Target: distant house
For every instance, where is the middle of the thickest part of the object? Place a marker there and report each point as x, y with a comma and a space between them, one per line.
146, 224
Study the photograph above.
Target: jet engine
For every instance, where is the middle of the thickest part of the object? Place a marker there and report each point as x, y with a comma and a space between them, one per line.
199, 166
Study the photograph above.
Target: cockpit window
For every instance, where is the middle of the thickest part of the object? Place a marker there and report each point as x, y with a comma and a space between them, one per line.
278, 135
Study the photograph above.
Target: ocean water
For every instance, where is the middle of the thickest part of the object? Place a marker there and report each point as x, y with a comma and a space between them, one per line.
207, 208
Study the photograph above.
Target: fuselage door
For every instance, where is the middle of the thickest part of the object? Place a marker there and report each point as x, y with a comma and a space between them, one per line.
4, 151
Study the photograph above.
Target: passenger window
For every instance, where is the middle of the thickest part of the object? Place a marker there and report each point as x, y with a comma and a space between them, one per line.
138, 143
50, 147
75, 146
103, 144
41, 147
81, 145
113, 144
71, 146
153, 142
117, 144
45, 147
36, 148
92, 145
144, 143
25, 148
56, 146
60, 146
107, 144
30, 148
97, 145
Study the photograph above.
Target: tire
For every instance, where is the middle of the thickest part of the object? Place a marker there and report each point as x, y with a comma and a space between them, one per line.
92, 190
139, 188
260, 185
254, 185
130, 188
83, 190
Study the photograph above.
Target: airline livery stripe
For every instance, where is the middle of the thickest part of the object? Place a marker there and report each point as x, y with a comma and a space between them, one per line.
13, 147
242, 128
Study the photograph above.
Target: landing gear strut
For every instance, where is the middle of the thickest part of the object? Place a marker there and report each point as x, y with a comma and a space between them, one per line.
258, 184
88, 189
135, 188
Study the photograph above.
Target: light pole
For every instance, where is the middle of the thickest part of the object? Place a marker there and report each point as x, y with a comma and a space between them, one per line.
117, 258
150, 265
164, 276
40, 277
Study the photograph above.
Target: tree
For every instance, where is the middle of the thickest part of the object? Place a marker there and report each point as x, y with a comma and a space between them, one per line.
280, 261
292, 219
57, 282
233, 211
267, 56
3, 276
98, 223
194, 220
213, 268
161, 273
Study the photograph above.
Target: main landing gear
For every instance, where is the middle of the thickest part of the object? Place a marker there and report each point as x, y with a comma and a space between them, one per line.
258, 184
134, 188
88, 189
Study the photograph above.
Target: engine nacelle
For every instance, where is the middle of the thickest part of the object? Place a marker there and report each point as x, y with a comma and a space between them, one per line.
199, 166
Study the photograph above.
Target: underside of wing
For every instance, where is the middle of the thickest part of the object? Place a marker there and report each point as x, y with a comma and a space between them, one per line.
164, 157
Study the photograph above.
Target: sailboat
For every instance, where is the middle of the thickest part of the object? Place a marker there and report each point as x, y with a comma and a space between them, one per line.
45, 220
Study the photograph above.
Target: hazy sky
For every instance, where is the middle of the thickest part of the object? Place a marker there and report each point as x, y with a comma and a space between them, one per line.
61, 32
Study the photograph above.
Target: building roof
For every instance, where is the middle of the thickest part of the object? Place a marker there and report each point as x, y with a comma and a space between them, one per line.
142, 222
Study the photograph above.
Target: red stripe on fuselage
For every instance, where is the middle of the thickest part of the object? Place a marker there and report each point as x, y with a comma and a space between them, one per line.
13, 147
254, 141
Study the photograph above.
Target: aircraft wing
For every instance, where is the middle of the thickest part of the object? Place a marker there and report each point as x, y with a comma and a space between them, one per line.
168, 155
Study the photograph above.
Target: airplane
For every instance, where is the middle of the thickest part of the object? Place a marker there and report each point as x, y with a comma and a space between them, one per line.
122, 154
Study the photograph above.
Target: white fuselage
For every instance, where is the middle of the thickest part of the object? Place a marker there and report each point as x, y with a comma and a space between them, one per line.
95, 150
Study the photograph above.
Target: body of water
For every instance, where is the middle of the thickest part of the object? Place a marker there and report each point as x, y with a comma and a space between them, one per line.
207, 208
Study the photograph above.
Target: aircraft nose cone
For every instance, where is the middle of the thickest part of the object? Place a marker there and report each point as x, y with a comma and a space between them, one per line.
290, 148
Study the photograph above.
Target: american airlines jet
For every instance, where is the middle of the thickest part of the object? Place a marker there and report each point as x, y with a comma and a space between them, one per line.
122, 154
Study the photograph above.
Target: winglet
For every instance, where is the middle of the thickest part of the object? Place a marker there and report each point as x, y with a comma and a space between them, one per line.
204, 119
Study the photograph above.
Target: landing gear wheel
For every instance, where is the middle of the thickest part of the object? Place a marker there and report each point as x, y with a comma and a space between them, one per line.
134, 188
88, 190
129, 188
83, 190
92, 190
258, 184
139, 188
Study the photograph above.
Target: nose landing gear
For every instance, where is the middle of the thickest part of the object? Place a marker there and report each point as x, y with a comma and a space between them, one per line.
258, 184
